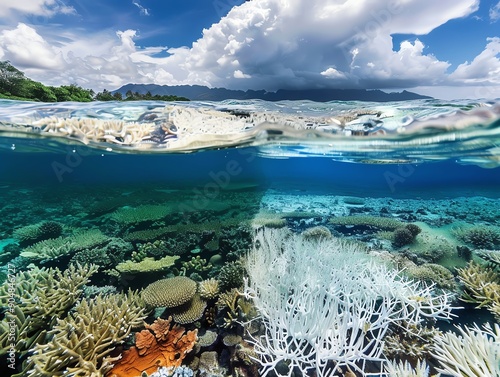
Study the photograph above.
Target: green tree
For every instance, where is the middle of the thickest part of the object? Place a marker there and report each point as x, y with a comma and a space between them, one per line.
105, 95
118, 96
10, 78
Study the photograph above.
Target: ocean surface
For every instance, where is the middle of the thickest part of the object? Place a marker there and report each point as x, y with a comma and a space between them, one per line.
411, 186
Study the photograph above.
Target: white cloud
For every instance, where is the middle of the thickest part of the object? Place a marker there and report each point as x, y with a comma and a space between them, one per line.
45, 8
264, 44
495, 12
144, 11
485, 68
26, 48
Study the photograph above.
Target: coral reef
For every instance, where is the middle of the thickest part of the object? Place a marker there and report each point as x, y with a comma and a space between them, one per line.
473, 352
159, 345
82, 343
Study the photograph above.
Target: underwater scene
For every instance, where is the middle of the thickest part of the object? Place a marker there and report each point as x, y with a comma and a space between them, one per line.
250, 238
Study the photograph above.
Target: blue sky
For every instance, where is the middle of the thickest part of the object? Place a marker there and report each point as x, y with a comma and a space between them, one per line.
447, 49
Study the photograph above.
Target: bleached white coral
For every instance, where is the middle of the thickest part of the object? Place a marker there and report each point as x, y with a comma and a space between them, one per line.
401, 369
325, 304
473, 352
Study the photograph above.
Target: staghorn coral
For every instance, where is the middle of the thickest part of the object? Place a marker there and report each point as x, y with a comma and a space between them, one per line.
473, 352
482, 286
82, 343
327, 305
491, 256
62, 246
146, 265
170, 292
161, 344
42, 296
208, 289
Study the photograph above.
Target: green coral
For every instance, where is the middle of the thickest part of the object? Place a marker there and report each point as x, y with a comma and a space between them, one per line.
231, 276
62, 246
143, 213
431, 273
479, 236
38, 232
382, 223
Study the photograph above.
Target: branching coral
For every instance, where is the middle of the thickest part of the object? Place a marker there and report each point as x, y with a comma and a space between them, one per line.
160, 344
42, 295
325, 305
82, 343
474, 352
401, 369
482, 286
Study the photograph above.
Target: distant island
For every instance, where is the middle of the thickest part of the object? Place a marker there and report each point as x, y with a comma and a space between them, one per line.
15, 85
204, 93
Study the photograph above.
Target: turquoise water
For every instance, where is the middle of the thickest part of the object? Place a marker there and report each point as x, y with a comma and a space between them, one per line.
214, 186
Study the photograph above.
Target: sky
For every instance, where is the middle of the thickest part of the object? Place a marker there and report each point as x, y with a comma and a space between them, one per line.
447, 49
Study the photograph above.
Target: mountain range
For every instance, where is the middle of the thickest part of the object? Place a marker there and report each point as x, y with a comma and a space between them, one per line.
204, 93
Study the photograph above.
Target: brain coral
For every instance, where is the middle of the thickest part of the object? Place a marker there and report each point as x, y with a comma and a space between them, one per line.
170, 292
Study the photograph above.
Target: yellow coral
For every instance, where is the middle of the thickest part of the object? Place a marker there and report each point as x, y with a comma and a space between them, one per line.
146, 265
83, 342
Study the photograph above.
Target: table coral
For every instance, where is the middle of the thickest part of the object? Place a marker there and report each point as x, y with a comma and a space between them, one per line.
146, 265
160, 344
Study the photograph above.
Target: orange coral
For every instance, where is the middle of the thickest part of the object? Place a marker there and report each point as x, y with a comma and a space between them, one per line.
159, 345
